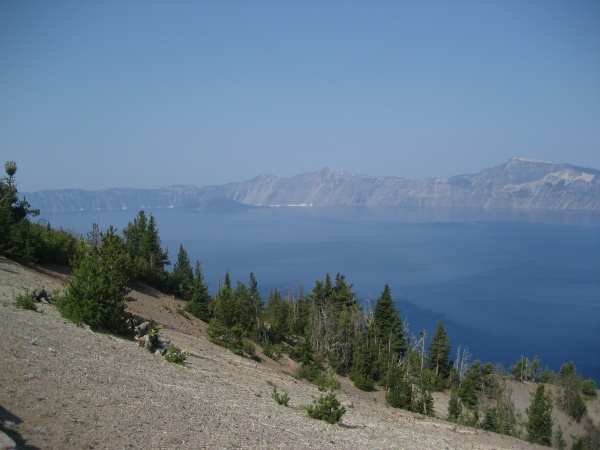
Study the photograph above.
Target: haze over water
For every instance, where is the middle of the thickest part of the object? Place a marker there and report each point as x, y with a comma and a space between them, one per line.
505, 283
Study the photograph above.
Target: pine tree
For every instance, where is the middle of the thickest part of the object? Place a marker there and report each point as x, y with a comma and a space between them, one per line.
454, 406
255, 305
276, 315
490, 422
200, 301
570, 400
439, 354
506, 416
97, 289
327, 407
225, 328
183, 275
361, 372
400, 391
14, 226
539, 413
388, 332
559, 439
468, 389
144, 247
244, 311
422, 395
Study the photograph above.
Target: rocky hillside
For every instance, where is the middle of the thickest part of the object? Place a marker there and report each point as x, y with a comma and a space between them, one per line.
66, 387
519, 183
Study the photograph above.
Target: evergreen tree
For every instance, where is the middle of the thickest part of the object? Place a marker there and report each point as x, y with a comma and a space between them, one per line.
422, 395
559, 439
14, 226
454, 406
570, 400
439, 355
144, 247
242, 307
255, 305
468, 388
310, 368
200, 301
490, 422
225, 327
361, 372
225, 307
588, 387
490, 381
400, 391
539, 413
506, 416
96, 292
299, 312
579, 445
327, 407
276, 316
388, 333
183, 275
347, 321
321, 322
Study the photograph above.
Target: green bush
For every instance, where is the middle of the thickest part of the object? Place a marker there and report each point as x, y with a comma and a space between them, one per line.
327, 382
248, 347
361, 382
230, 338
154, 332
281, 399
176, 355
310, 372
275, 350
327, 408
588, 387
25, 301
576, 407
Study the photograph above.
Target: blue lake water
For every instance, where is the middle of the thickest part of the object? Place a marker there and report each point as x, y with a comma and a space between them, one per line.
505, 284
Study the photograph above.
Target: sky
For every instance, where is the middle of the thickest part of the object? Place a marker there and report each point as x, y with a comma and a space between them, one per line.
147, 94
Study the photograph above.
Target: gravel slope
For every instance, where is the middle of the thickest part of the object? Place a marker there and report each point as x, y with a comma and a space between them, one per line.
63, 386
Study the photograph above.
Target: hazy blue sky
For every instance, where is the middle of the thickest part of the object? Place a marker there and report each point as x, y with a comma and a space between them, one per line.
97, 94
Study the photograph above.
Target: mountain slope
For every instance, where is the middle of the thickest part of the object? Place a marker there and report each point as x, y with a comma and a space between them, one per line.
66, 387
519, 183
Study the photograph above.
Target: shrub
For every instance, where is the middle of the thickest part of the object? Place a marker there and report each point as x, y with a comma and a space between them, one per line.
309, 372
154, 332
25, 301
576, 407
230, 338
248, 347
281, 399
588, 387
327, 382
327, 408
275, 350
361, 382
176, 355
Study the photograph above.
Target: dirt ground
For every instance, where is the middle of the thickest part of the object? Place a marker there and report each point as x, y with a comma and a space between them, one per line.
64, 386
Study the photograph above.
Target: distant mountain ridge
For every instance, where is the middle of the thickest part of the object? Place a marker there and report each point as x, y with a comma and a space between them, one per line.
520, 183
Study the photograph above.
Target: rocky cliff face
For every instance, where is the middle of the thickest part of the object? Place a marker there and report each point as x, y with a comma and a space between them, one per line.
519, 184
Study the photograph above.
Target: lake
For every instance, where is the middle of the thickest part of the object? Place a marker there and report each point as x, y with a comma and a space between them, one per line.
505, 283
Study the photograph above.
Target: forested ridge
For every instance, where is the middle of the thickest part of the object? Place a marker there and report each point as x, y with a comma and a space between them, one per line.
326, 329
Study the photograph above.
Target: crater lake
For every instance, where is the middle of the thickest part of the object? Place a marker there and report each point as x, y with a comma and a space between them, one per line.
505, 283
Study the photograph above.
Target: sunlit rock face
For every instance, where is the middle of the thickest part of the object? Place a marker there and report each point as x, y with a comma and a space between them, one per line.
520, 183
